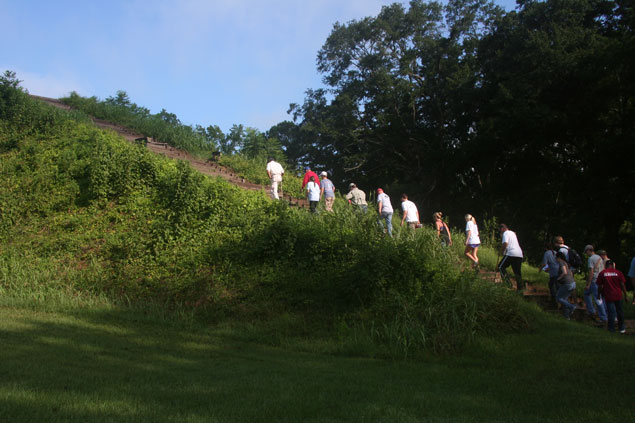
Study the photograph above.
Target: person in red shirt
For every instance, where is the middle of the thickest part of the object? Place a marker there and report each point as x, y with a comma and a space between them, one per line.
610, 283
307, 176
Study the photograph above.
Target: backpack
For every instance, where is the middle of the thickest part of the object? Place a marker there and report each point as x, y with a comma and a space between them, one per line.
575, 261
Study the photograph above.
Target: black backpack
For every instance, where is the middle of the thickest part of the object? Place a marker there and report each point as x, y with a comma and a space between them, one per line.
575, 261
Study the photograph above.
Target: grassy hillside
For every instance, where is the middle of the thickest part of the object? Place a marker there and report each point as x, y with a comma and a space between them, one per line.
87, 215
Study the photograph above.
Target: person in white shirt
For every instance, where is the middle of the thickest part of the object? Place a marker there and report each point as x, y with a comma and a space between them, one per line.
472, 240
594, 266
410, 212
512, 255
384, 208
275, 172
313, 194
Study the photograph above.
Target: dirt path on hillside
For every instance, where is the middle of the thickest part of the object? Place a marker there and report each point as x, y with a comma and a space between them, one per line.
209, 168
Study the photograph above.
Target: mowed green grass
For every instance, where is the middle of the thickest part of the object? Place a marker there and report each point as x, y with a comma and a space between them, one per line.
119, 366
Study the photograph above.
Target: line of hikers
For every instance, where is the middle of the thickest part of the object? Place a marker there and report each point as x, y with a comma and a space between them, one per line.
605, 285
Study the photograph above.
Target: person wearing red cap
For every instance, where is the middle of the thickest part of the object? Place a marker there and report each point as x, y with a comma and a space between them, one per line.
385, 210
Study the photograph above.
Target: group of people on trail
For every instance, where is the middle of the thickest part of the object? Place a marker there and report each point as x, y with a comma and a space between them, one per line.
605, 285
604, 289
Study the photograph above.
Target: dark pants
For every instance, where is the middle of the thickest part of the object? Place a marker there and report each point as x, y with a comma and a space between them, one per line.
313, 206
614, 308
516, 263
553, 287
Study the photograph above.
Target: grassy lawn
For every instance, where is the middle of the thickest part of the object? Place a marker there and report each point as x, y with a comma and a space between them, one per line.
119, 366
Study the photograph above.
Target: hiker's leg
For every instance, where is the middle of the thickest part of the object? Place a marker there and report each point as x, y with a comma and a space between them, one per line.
505, 261
388, 218
274, 189
620, 315
562, 296
517, 264
553, 288
599, 301
610, 308
328, 202
468, 253
588, 300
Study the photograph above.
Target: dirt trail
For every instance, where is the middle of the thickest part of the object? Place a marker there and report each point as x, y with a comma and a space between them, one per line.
209, 168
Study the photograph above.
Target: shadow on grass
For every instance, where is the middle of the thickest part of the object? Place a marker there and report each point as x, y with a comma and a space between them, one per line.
101, 366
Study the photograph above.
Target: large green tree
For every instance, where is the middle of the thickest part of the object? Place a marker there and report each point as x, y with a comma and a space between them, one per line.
526, 115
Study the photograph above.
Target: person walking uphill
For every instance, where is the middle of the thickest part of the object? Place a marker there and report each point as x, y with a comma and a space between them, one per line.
313, 194
512, 255
357, 197
595, 265
275, 172
385, 210
307, 177
610, 282
443, 232
327, 190
631, 276
566, 285
472, 240
550, 264
410, 212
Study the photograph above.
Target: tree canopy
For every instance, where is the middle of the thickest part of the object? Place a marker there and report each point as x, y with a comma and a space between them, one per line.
526, 115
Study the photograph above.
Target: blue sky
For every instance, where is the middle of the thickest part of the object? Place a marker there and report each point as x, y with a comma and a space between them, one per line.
211, 62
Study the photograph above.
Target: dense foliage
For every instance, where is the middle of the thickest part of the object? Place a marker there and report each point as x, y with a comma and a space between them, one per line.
526, 115
244, 149
85, 213
166, 127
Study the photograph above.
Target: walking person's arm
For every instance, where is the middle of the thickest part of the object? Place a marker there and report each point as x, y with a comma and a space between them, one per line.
589, 277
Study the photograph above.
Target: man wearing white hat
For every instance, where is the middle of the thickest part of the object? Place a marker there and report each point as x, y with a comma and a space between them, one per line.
327, 191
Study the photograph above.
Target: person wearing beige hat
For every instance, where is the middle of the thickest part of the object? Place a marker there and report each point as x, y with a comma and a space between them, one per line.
357, 197
594, 266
